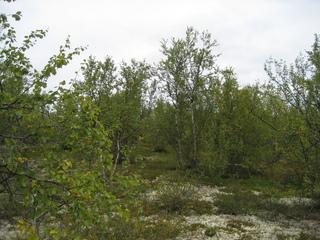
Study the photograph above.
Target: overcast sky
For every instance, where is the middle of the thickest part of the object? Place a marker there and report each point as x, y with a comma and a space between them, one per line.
248, 31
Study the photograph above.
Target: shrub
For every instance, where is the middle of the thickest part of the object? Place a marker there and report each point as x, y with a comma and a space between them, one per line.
180, 198
176, 197
118, 228
210, 232
212, 168
247, 202
316, 198
238, 202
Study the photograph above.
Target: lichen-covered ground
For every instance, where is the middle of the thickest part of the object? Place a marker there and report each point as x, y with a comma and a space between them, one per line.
250, 227
227, 226
207, 221
217, 225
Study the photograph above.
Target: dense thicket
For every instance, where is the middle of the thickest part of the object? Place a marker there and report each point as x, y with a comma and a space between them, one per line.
60, 149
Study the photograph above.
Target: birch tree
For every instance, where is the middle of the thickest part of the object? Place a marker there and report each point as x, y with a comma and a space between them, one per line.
188, 73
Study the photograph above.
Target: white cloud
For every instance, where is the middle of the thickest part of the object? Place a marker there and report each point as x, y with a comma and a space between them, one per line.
248, 31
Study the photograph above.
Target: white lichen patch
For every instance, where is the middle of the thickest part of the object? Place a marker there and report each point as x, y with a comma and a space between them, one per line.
8, 231
208, 193
237, 227
204, 193
297, 201
241, 226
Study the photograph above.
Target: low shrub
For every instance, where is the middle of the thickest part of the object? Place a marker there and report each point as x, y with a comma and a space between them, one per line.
176, 197
241, 202
316, 198
210, 232
119, 229
238, 203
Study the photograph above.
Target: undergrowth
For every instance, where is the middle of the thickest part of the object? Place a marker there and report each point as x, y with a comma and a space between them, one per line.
119, 229
247, 202
175, 198
155, 201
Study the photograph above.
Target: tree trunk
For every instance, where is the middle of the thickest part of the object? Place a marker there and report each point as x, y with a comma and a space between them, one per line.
194, 156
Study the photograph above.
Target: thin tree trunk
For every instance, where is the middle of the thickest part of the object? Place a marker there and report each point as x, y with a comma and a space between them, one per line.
194, 157
179, 139
118, 152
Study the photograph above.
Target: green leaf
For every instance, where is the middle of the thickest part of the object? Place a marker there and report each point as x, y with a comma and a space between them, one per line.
17, 16
41, 191
87, 222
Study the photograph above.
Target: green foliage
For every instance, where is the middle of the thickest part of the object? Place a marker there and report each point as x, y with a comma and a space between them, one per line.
213, 126
297, 89
161, 228
161, 126
188, 77
43, 182
213, 164
242, 201
316, 197
59, 150
119, 96
238, 203
176, 197
235, 142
